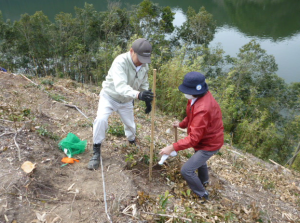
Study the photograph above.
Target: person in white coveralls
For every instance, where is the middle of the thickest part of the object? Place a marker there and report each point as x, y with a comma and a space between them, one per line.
127, 79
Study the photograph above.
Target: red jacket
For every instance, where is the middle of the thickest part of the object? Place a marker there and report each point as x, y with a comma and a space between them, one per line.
204, 125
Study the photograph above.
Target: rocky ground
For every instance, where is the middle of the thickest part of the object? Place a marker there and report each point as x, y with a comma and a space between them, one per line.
36, 114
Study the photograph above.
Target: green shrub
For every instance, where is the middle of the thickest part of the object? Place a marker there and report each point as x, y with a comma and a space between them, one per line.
116, 129
42, 131
57, 97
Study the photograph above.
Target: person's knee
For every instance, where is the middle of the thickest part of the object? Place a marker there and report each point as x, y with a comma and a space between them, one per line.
100, 121
185, 172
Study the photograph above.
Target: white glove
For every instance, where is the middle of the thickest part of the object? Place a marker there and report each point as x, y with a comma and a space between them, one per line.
164, 157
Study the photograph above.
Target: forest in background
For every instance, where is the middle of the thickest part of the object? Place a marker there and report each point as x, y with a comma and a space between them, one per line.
260, 111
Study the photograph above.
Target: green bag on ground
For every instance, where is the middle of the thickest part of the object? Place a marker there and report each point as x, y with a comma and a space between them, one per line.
72, 145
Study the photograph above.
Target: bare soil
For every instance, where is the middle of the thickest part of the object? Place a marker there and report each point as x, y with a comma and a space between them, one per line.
34, 118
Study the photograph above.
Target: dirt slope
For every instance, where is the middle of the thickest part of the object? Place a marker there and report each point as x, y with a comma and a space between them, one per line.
33, 119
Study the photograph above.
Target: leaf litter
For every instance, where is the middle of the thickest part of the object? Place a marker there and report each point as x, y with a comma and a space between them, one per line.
242, 187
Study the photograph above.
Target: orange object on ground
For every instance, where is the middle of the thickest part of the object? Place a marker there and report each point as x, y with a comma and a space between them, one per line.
68, 160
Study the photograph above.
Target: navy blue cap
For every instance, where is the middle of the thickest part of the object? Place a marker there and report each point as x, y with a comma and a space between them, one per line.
193, 84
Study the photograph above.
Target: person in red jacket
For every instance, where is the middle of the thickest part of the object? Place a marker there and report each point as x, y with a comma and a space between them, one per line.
205, 132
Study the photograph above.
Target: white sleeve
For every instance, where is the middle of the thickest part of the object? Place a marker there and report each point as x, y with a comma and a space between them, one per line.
119, 76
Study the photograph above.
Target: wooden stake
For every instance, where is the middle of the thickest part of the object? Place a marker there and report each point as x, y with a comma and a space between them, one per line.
175, 134
152, 125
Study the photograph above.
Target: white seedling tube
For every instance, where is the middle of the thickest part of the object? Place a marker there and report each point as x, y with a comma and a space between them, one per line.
164, 157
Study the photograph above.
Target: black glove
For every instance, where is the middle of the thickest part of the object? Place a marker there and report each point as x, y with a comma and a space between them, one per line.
148, 107
146, 95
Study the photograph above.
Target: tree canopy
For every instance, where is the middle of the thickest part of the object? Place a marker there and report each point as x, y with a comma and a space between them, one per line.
260, 111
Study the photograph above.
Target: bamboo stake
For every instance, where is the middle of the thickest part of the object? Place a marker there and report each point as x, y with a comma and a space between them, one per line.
152, 125
176, 134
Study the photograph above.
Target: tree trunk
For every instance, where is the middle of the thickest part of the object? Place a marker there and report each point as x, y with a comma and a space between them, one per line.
292, 160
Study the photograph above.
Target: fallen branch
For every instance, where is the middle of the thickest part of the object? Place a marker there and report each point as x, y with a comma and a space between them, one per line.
5, 120
236, 152
134, 211
279, 165
19, 152
14, 121
73, 106
72, 205
33, 198
8, 133
29, 80
130, 215
169, 216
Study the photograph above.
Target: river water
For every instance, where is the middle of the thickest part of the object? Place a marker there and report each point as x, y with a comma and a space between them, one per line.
275, 24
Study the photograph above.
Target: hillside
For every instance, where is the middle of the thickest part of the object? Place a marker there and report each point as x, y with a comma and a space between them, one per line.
35, 116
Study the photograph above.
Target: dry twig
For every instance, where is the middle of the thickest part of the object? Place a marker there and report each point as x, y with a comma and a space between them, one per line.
73, 106
279, 165
72, 205
7, 133
5, 120
17, 145
29, 80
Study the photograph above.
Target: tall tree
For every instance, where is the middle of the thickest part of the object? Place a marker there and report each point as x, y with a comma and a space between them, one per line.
88, 26
64, 39
116, 30
199, 28
149, 19
33, 40
254, 101
2, 26
154, 23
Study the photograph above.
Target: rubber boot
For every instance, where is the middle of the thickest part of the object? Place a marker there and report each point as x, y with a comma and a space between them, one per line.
205, 184
132, 142
95, 160
204, 198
